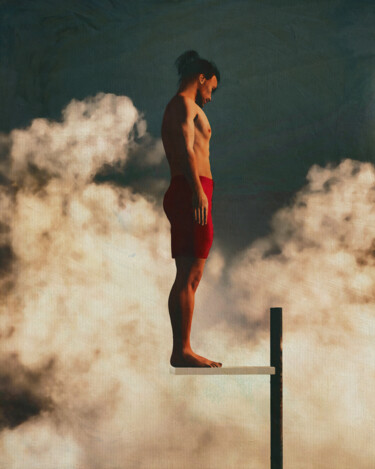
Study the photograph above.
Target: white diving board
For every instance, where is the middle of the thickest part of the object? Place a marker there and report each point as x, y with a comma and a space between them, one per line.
276, 382
224, 370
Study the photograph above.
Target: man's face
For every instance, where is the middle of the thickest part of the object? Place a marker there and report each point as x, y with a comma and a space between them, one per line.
205, 89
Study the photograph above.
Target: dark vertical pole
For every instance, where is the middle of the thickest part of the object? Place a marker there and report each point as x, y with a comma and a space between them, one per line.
276, 325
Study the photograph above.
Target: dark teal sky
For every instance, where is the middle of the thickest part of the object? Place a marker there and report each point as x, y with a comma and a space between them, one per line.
297, 85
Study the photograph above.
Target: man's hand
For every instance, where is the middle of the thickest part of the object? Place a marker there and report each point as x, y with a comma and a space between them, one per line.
200, 206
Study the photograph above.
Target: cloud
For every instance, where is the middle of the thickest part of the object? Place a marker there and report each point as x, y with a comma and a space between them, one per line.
93, 132
320, 252
85, 332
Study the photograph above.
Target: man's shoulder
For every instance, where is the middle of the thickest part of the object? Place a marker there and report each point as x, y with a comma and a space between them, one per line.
183, 104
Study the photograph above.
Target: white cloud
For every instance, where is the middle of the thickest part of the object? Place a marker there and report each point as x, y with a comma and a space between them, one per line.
92, 132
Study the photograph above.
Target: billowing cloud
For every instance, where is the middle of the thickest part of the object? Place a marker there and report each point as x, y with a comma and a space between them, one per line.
93, 132
85, 332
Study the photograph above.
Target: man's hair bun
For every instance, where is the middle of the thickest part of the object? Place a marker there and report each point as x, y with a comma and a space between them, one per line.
186, 60
190, 64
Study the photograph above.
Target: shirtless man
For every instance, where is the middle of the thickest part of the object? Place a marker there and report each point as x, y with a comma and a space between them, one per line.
187, 203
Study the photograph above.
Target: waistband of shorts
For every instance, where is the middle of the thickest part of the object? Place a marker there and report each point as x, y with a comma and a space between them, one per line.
178, 177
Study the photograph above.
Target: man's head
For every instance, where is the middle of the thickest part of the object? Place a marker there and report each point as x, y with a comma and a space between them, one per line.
192, 69
205, 89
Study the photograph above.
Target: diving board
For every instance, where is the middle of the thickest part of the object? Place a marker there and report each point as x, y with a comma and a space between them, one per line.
224, 370
276, 382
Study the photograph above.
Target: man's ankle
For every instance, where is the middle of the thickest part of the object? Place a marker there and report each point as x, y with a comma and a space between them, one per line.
181, 349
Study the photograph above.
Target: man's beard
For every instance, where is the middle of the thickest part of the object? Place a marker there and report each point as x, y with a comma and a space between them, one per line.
198, 99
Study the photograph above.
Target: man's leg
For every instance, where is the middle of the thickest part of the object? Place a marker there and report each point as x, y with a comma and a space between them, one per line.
181, 308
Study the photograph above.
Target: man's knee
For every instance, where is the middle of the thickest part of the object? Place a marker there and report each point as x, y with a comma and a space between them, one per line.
190, 271
195, 278
196, 272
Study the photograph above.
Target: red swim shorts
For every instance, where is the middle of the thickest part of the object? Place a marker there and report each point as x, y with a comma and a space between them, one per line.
188, 237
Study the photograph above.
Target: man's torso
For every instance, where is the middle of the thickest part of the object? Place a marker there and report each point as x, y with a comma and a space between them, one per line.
172, 141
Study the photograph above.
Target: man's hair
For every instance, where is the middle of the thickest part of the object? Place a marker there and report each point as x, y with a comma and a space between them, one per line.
189, 64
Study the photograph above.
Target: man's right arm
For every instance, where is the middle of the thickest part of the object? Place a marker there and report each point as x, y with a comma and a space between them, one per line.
185, 122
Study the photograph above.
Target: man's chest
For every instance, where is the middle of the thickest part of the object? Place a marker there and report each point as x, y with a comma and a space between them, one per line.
202, 125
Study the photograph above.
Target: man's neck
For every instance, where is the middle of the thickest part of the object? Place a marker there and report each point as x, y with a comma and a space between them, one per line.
188, 91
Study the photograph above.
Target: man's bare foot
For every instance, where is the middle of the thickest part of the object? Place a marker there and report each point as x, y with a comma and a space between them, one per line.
191, 359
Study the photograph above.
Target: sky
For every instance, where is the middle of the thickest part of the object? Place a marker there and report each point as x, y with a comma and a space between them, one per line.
85, 245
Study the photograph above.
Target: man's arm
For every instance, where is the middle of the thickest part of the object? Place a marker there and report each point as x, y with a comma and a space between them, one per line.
186, 134
185, 122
